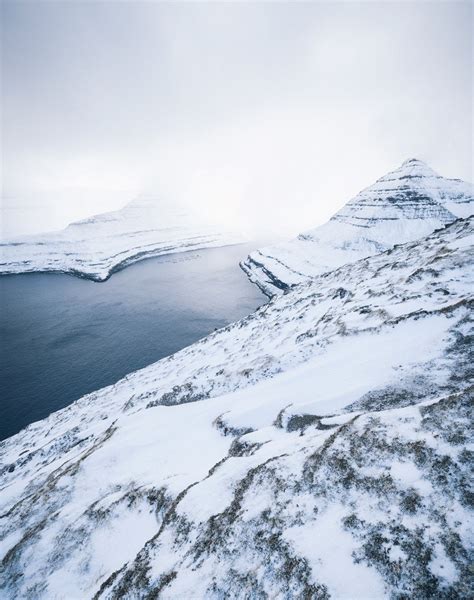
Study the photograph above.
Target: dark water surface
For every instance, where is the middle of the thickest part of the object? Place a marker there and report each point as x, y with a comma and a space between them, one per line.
62, 337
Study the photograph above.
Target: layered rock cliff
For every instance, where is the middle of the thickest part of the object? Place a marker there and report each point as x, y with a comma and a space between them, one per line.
404, 205
98, 246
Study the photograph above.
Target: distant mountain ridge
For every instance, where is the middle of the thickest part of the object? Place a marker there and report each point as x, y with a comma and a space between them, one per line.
403, 205
400, 193
98, 246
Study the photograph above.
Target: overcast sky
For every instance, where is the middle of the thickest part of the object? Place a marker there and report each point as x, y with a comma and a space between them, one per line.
268, 115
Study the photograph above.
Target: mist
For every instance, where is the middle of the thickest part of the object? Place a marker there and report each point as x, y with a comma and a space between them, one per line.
263, 116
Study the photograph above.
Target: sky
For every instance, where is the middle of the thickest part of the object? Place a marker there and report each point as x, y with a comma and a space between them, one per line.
265, 116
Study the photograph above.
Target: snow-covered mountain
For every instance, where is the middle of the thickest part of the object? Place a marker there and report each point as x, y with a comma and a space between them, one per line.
404, 205
98, 246
319, 448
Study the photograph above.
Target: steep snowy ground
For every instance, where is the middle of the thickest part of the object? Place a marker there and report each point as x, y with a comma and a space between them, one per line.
402, 206
96, 247
319, 448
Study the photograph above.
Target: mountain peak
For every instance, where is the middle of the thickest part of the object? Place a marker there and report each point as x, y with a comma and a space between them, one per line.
403, 205
413, 162
411, 168
411, 192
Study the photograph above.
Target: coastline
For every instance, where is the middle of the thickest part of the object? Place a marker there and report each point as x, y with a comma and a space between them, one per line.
100, 276
179, 450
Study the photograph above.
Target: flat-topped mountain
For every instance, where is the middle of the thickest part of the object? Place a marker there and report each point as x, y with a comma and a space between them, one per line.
404, 205
98, 246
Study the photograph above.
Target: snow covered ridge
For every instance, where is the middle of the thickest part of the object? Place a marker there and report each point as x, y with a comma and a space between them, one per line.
97, 247
402, 206
319, 448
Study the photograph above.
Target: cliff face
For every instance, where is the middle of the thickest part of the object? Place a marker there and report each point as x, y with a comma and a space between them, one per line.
318, 448
98, 246
404, 205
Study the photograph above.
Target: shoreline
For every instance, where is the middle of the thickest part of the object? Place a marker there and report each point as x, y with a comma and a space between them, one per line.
234, 297
101, 277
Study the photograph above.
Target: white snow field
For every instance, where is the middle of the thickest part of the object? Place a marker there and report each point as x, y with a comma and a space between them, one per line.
98, 246
402, 206
319, 448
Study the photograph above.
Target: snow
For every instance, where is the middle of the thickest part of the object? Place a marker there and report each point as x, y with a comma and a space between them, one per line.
329, 550
186, 476
98, 246
411, 476
404, 205
441, 566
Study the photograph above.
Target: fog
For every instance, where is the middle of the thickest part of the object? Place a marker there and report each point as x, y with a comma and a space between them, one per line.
265, 116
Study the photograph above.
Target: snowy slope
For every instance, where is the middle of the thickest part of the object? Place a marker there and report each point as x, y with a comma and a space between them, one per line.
319, 448
404, 205
96, 247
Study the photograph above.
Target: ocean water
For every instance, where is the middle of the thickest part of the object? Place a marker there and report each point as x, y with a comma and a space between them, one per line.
62, 337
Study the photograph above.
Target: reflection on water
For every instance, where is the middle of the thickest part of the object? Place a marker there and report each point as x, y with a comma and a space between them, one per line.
63, 337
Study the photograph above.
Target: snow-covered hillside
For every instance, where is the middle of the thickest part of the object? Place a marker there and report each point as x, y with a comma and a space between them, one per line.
96, 247
319, 448
404, 205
